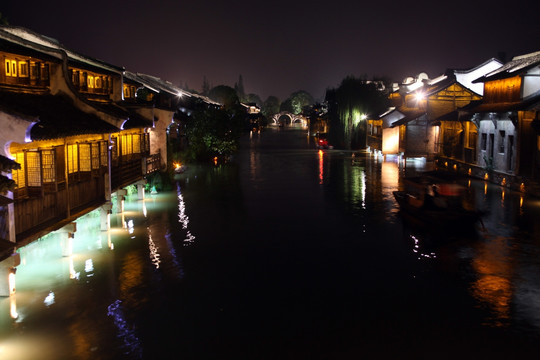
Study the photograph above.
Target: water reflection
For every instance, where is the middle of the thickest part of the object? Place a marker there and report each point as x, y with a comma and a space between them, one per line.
183, 218
494, 275
126, 332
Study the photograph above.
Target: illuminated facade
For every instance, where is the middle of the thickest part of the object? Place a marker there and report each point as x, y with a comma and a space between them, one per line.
508, 122
64, 121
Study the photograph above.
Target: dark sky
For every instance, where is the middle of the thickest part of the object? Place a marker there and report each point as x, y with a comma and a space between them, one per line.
282, 46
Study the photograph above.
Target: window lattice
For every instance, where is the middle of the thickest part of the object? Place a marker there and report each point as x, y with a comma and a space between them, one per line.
103, 156
73, 159
18, 175
84, 157
95, 156
114, 145
49, 170
147, 143
33, 167
136, 144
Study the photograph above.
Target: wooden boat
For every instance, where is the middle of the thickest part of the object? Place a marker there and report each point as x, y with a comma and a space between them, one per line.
437, 205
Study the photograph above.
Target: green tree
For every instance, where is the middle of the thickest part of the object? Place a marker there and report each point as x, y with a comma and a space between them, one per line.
270, 106
213, 132
297, 101
349, 106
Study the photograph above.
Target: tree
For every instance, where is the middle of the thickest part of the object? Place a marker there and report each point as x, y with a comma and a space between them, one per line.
253, 99
350, 105
297, 101
270, 106
225, 95
213, 132
239, 88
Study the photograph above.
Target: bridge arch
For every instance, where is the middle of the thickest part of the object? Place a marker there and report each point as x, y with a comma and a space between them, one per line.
288, 119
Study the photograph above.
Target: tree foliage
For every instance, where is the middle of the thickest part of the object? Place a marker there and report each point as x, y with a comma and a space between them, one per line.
270, 106
349, 106
253, 98
297, 101
225, 95
239, 88
214, 132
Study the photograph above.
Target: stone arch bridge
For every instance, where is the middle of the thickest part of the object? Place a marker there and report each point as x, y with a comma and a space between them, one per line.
287, 118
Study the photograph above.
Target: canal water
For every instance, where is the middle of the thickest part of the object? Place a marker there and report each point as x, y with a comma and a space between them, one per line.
285, 252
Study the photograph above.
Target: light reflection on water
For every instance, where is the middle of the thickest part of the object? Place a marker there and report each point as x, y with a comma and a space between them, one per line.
301, 269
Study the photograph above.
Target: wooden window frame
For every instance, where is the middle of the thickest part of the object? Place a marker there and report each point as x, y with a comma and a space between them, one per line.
23, 69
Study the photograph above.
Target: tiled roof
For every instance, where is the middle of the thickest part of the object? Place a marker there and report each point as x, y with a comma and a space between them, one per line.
512, 68
57, 115
410, 115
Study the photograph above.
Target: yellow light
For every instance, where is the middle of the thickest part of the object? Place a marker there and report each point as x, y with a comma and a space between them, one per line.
455, 166
522, 187
503, 182
470, 171
486, 176
11, 281
177, 165
446, 164
215, 160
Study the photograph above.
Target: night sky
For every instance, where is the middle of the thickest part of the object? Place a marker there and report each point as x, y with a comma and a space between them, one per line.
283, 46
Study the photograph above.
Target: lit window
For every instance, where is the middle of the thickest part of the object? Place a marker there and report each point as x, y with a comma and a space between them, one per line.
47, 158
95, 156
126, 143
18, 175
13, 68
84, 157
104, 155
90, 82
23, 69
8, 67
73, 163
136, 144
33, 167
98, 82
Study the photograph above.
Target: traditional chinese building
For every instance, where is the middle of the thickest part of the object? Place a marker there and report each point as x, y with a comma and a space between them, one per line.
507, 121
64, 122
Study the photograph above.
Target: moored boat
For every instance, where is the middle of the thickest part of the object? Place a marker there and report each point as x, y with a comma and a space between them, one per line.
438, 205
